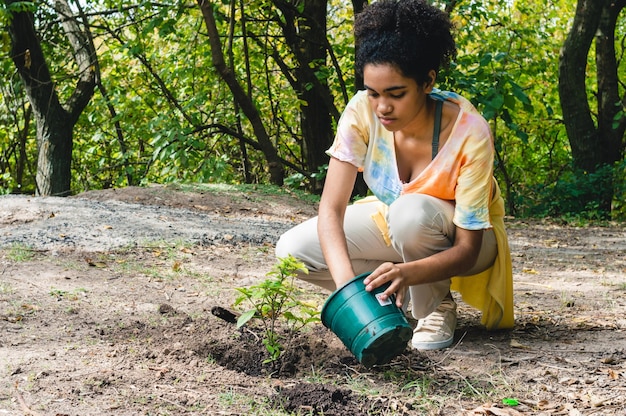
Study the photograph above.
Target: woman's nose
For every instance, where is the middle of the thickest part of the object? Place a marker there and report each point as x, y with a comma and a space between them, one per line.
384, 107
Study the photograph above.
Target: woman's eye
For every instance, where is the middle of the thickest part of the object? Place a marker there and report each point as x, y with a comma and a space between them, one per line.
398, 95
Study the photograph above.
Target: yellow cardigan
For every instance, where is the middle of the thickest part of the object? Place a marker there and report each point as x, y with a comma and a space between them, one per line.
491, 291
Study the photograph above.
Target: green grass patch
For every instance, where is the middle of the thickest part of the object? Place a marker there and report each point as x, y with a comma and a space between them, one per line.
20, 252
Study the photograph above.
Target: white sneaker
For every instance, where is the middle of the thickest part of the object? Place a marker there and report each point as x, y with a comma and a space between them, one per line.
436, 331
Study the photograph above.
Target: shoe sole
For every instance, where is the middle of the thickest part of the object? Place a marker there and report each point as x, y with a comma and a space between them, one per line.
425, 346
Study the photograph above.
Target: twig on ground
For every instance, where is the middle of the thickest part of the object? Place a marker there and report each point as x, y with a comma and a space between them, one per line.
572, 370
445, 357
173, 403
27, 410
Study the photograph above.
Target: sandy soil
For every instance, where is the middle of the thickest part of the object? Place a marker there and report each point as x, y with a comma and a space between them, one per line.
106, 304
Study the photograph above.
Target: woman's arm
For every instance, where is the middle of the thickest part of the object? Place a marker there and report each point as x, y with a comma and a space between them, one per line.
338, 187
455, 261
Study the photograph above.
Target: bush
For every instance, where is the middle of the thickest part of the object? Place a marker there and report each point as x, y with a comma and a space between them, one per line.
577, 194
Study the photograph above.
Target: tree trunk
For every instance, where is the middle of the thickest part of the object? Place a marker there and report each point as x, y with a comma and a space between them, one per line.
593, 146
610, 127
357, 7
305, 33
580, 127
247, 106
54, 142
316, 120
54, 122
360, 187
309, 46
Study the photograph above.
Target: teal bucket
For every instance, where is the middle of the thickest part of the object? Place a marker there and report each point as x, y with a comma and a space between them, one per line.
375, 331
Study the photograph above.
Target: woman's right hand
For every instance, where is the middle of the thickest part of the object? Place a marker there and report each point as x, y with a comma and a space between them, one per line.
388, 272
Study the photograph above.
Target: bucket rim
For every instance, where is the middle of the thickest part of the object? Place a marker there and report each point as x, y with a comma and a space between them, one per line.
337, 291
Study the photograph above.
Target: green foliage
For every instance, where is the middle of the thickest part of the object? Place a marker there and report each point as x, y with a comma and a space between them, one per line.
276, 299
162, 113
618, 209
8, 9
508, 67
575, 195
298, 180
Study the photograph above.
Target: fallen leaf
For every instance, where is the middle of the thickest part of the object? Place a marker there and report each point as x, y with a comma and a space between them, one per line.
97, 264
551, 243
516, 344
488, 409
613, 375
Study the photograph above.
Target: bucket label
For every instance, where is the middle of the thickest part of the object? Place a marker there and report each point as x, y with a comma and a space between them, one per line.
381, 301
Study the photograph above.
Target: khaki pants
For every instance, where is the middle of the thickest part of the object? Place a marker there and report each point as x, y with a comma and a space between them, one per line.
419, 226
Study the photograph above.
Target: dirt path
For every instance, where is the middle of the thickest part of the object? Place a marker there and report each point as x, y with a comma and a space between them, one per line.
106, 299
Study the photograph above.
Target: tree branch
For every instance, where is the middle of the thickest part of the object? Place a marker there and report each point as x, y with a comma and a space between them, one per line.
85, 57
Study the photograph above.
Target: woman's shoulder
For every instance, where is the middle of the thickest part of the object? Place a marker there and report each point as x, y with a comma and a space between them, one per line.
358, 114
359, 99
469, 118
464, 104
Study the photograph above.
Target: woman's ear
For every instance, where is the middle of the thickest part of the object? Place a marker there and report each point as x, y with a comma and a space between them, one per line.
430, 84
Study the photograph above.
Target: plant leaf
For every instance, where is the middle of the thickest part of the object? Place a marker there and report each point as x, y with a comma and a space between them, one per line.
245, 317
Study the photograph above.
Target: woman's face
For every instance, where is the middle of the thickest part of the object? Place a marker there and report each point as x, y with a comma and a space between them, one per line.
397, 100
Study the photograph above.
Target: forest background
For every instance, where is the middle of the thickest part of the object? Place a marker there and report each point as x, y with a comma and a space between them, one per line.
105, 94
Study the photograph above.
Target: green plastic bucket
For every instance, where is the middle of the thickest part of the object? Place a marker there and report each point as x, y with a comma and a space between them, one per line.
375, 331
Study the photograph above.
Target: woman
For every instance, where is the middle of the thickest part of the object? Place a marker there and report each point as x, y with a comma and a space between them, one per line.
427, 157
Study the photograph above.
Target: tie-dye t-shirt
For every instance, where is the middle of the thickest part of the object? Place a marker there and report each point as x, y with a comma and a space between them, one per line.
462, 171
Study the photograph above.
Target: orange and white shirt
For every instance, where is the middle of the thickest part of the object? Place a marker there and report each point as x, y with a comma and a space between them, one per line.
462, 170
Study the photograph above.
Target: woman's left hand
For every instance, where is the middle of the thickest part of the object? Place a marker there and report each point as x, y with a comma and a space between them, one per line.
388, 272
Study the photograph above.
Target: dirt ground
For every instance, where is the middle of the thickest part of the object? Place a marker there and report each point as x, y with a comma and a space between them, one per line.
108, 307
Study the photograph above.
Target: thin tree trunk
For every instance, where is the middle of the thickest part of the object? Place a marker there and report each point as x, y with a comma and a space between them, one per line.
305, 33
247, 106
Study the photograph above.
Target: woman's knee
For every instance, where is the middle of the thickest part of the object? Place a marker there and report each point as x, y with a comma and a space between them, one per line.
281, 247
416, 214
289, 244
300, 241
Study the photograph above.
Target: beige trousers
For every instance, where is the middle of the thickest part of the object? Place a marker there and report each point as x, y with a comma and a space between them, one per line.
419, 226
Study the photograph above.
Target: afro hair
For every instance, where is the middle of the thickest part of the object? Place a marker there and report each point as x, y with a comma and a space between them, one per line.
411, 35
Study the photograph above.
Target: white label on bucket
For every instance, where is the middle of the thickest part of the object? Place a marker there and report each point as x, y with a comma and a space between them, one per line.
381, 301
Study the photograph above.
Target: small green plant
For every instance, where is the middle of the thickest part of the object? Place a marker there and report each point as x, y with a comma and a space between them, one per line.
274, 299
19, 252
58, 293
64, 294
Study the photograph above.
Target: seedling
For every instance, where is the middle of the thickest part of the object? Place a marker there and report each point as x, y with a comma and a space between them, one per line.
274, 299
